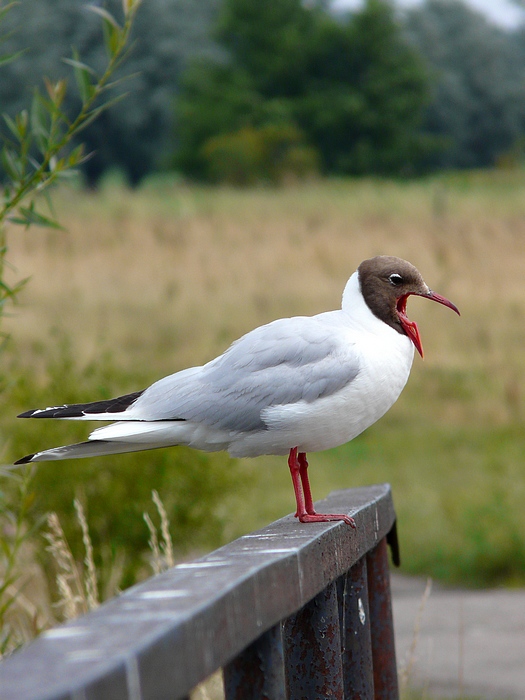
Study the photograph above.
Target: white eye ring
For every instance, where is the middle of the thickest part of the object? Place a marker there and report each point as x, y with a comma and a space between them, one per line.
395, 279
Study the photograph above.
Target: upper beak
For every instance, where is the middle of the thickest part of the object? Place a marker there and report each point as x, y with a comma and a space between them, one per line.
440, 300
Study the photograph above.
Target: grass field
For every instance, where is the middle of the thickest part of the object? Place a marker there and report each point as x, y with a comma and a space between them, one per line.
146, 282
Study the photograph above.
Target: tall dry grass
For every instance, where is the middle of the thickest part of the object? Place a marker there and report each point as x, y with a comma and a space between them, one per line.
171, 274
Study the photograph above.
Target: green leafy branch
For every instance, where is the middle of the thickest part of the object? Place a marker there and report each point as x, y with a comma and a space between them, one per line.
46, 128
36, 152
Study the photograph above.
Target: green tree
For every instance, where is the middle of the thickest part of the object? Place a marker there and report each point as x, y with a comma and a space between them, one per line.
477, 106
365, 93
353, 86
215, 99
270, 40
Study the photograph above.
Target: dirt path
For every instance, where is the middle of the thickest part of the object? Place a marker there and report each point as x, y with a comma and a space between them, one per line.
469, 642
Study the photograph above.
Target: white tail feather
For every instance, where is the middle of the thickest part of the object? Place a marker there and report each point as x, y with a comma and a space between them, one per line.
161, 433
89, 449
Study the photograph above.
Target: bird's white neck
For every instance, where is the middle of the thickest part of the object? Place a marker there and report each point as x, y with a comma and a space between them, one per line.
352, 294
354, 304
357, 310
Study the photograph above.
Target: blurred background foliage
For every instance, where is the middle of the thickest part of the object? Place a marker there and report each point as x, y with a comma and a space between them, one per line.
144, 282
374, 91
147, 281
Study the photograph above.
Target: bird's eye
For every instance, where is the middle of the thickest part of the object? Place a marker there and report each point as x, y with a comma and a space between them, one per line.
395, 279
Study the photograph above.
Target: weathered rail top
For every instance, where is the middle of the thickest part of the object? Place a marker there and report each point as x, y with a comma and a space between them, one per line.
162, 637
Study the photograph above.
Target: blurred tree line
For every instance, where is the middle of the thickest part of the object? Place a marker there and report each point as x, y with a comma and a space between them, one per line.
347, 92
477, 82
245, 90
137, 134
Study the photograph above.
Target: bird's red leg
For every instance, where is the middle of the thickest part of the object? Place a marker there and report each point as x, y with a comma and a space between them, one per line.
305, 481
303, 495
293, 465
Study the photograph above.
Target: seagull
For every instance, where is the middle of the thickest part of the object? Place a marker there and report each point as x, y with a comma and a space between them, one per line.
295, 385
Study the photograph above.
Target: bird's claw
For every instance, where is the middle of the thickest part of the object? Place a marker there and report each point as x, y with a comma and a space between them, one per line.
325, 518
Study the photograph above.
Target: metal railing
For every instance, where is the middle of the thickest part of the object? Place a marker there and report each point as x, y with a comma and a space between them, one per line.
291, 611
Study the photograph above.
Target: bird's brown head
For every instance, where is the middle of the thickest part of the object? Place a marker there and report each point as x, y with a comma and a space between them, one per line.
386, 283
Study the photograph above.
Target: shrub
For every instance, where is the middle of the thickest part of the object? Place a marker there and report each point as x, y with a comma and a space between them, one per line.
272, 153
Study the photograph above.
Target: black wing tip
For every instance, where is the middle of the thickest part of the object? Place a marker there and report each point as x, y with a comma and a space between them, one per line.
26, 414
25, 460
57, 412
80, 410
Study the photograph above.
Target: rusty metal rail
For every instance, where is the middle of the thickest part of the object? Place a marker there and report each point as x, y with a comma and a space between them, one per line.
289, 612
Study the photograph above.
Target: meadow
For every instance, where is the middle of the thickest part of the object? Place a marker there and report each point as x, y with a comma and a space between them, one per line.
146, 282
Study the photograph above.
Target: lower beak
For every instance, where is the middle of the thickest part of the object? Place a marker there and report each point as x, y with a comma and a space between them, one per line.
411, 329
409, 326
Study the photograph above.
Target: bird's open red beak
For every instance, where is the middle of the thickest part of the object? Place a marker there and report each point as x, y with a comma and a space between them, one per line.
410, 327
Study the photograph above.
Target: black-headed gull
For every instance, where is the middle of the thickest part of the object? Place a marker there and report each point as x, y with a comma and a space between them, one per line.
293, 386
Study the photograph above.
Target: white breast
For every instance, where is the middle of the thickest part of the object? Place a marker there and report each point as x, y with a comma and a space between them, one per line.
384, 357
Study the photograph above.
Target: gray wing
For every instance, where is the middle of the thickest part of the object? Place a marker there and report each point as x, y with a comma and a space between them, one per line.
281, 363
